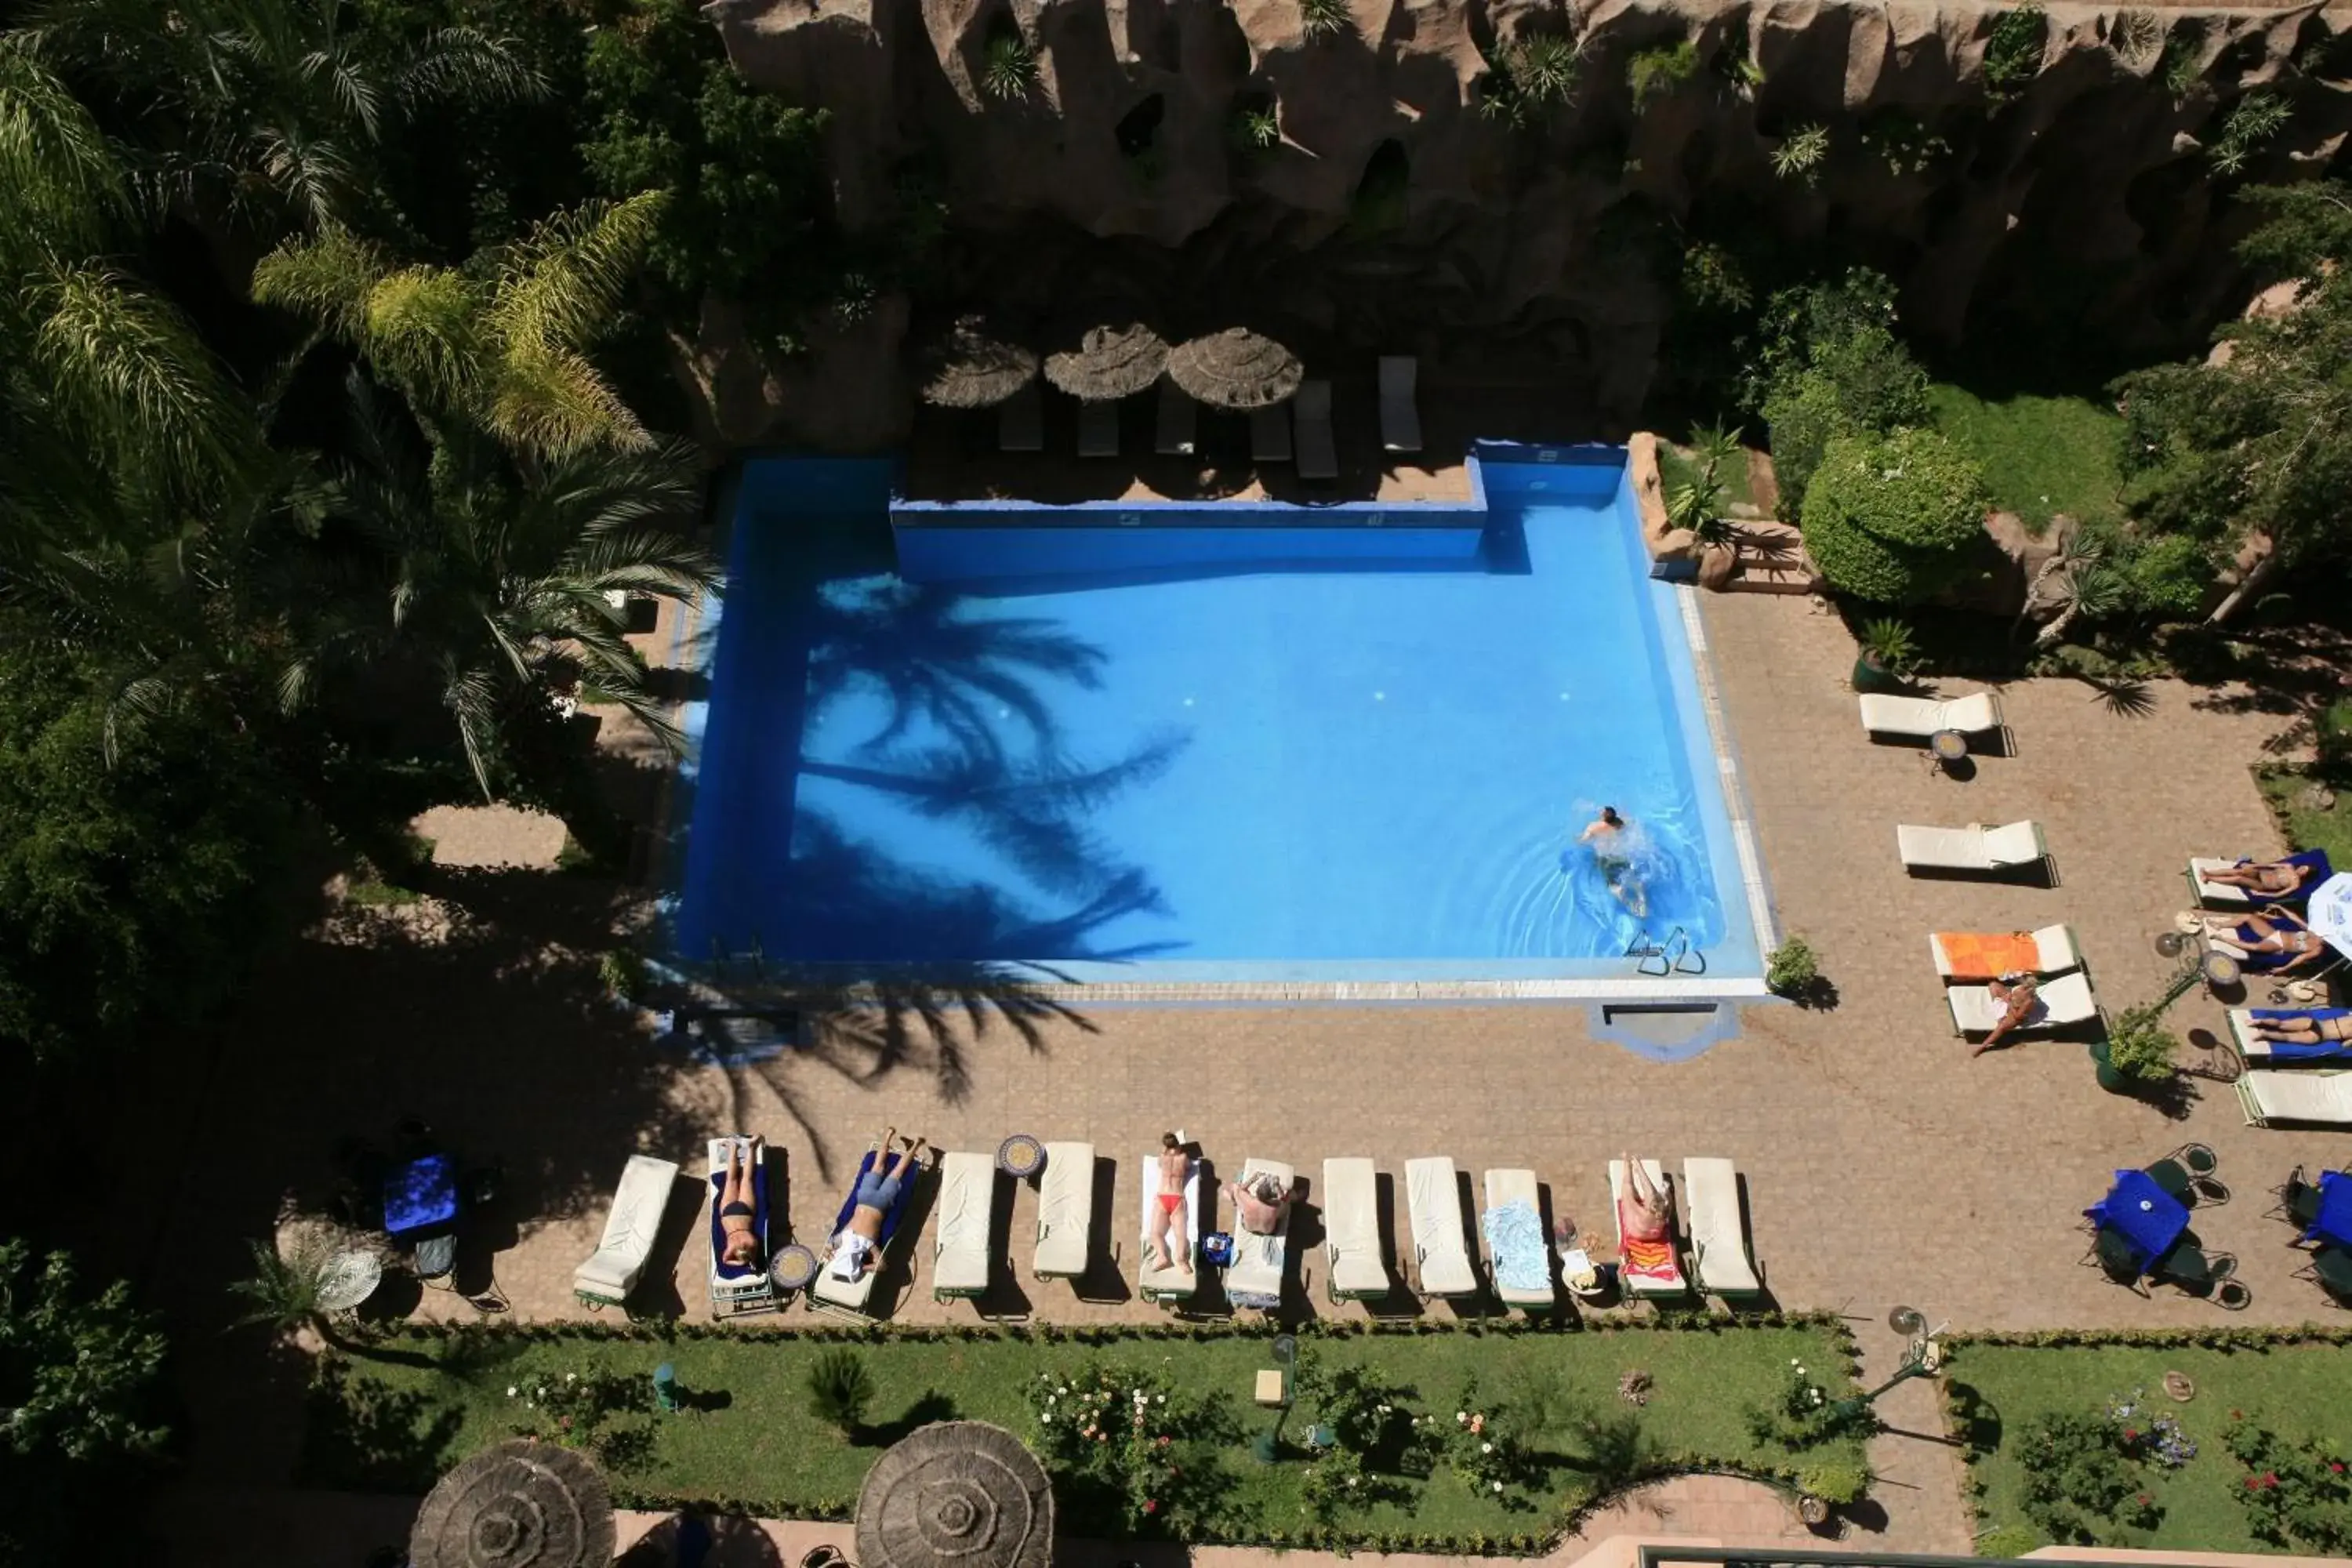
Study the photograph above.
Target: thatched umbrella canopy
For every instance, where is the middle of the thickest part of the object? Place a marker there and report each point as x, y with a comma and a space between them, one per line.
517, 1505
1236, 369
1112, 360
971, 367
956, 1494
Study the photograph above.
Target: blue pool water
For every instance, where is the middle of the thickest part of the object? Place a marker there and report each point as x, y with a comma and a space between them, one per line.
1318, 774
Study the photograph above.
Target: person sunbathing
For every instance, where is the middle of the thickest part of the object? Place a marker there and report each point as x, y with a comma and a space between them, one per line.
738, 1213
2277, 935
2276, 877
1649, 1215
1258, 1208
1169, 1246
2020, 994
2302, 1029
859, 1246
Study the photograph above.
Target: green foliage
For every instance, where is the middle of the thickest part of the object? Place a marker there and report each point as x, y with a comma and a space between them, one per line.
283, 1292
2253, 120
1793, 969
1890, 642
2164, 578
1840, 1482
2083, 1487
1894, 518
1713, 279
623, 972
1008, 71
2184, 52
839, 1389
1898, 139
1801, 153
1531, 77
1135, 1433
2332, 738
2010, 1540
2042, 455
1804, 1416
2296, 1497
1695, 502
1257, 129
2140, 1047
578, 1409
1656, 71
1325, 19
1826, 363
2014, 51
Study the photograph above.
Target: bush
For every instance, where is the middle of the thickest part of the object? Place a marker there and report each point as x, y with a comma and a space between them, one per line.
2164, 578
2139, 1046
2013, 53
1805, 1416
1894, 518
1842, 1482
1656, 72
839, 1390
1829, 364
2010, 1540
1792, 970
2081, 1486
2332, 739
2297, 1496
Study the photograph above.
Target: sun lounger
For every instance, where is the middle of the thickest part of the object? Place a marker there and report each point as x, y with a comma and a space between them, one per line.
1441, 1252
2324, 1098
2254, 1047
1400, 420
2015, 846
967, 1215
1270, 434
1253, 1278
1719, 1240
1645, 1268
1318, 454
1097, 429
1170, 1284
2223, 895
1179, 417
849, 1299
1923, 716
738, 1288
1988, 955
1518, 1254
1065, 1211
2060, 1002
610, 1273
1021, 421
1355, 1270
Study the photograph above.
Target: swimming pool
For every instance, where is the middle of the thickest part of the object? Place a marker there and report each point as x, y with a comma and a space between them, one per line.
1322, 773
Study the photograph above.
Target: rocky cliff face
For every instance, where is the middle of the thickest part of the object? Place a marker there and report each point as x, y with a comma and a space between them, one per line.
1395, 212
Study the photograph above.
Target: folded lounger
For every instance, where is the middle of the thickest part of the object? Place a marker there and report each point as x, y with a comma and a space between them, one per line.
1178, 415
1439, 1250
1645, 1268
2017, 846
1065, 1211
2275, 1053
1270, 434
2315, 1097
1170, 1284
2061, 1002
1253, 1278
1518, 1252
1718, 1241
610, 1273
1400, 420
1925, 716
967, 1215
1021, 421
1097, 429
736, 1288
1989, 955
1355, 1270
848, 1298
2223, 895
1310, 409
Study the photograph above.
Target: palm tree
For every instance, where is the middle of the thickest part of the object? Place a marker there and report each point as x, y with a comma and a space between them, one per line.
500, 344
2074, 583
284, 1290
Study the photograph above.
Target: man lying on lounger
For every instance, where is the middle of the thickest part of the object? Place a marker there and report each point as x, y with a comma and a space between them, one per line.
739, 1216
2277, 878
2280, 941
2300, 1029
858, 1245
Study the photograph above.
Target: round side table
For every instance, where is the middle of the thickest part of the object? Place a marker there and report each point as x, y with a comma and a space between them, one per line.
792, 1267
1948, 747
1021, 1156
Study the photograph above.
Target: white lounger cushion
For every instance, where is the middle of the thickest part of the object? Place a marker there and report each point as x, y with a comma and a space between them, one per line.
1974, 848
1503, 1189
2055, 951
2270, 1096
611, 1273
1719, 1242
1435, 1194
1923, 716
1351, 1228
2060, 1002
967, 1206
1631, 1283
1400, 420
1172, 1280
1256, 1268
1318, 456
1065, 1211
1178, 416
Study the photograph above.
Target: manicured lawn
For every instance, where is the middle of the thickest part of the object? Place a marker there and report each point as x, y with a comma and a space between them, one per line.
395, 1423
2041, 455
2298, 1391
1676, 466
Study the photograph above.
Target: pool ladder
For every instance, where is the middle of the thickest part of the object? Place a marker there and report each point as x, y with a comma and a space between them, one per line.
1675, 955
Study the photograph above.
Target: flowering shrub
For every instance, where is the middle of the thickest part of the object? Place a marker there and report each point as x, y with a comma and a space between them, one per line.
1119, 1428
2081, 1480
1805, 1415
2157, 1438
576, 1411
1365, 1413
2294, 1494
1489, 1460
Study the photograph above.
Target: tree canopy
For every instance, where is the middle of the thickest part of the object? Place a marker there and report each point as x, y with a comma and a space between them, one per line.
1895, 518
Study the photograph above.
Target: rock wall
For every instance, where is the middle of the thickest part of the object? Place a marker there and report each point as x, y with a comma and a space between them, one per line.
1394, 213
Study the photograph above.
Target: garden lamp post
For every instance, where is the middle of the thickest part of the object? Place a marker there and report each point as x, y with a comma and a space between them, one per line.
666, 1397
1921, 1358
1268, 1445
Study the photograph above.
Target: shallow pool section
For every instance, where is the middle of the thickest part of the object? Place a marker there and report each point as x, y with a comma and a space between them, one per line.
1346, 773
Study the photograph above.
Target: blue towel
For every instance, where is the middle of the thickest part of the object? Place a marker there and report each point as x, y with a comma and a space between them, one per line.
1514, 1236
2287, 1051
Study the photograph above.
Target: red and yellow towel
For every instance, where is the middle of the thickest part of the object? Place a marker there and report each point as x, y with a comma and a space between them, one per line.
1985, 954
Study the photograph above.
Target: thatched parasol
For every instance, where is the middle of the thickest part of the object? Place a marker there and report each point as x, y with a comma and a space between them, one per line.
956, 1494
517, 1505
1236, 369
971, 367
1113, 360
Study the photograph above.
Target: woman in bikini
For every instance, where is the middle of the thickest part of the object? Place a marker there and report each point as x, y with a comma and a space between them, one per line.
2278, 878
858, 1247
2303, 1029
737, 1212
2281, 943
1171, 1247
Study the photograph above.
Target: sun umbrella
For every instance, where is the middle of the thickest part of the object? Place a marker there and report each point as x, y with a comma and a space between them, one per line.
1112, 360
1236, 369
516, 1505
971, 367
2329, 911
956, 1494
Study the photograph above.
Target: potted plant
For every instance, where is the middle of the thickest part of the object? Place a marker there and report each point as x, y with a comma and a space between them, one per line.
1887, 655
1827, 1485
2138, 1053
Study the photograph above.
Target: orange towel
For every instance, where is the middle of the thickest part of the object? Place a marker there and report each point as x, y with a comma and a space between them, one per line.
1985, 955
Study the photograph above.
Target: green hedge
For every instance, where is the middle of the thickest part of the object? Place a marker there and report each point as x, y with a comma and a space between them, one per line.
1895, 518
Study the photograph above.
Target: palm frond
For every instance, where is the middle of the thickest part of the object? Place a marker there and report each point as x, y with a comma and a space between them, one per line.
467, 66
471, 696
419, 323
564, 281
62, 185
554, 402
136, 705
327, 276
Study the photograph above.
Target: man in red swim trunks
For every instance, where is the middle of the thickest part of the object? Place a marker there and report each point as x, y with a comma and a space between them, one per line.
1171, 1246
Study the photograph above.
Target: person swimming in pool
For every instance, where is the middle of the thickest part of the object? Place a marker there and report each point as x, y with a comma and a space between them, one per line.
1611, 839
